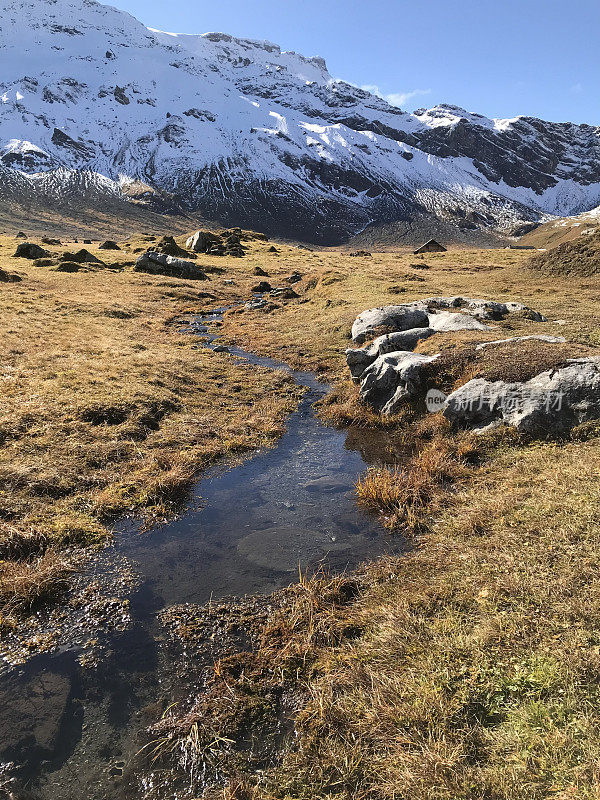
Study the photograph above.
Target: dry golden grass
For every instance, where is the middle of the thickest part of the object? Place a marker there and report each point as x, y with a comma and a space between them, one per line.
26, 583
477, 672
254, 680
404, 496
107, 408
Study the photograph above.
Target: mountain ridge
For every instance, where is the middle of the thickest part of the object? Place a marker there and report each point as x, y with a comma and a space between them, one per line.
241, 132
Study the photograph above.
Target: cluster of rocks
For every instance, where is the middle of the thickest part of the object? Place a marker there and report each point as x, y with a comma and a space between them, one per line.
228, 243
441, 314
266, 294
64, 262
390, 374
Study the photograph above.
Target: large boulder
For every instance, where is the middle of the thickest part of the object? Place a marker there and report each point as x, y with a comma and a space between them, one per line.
161, 264
439, 313
387, 319
30, 250
203, 242
358, 359
548, 404
444, 321
393, 379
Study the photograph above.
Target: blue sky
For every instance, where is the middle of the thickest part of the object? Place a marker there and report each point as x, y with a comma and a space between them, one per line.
497, 57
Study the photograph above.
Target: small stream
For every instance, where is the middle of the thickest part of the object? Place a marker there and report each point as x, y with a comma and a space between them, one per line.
70, 731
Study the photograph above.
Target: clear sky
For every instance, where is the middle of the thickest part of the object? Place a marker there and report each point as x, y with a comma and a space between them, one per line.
497, 57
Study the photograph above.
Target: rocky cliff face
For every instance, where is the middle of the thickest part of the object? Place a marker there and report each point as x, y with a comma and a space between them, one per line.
244, 133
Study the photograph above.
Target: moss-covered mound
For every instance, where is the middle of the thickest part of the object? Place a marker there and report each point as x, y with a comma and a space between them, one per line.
512, 362
580, 257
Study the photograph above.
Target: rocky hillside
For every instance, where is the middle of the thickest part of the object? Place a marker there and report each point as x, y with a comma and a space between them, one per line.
239, 132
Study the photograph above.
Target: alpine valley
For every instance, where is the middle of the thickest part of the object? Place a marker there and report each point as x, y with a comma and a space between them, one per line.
100, 115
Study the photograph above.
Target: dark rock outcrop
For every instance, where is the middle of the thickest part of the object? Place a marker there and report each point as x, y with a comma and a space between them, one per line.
262, 287
31, 251
82, 256
9, 277
169, 247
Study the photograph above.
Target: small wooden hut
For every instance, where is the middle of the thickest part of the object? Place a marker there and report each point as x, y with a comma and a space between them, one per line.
431, 247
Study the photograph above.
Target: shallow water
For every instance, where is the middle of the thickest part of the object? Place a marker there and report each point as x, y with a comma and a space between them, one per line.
248, 529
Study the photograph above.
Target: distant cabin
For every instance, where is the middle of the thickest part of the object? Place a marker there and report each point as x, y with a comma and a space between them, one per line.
431, 247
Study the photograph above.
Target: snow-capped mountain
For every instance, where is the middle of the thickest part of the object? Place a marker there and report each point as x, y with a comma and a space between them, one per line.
93, 102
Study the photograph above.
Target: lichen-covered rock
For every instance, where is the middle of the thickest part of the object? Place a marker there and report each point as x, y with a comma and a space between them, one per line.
540, 337
483, 309
161, 264
358, 359
549, 404
445, 321
392, 318
392, 379
169, 247
439, 313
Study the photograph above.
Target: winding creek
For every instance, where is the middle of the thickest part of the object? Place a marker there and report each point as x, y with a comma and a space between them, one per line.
247, 529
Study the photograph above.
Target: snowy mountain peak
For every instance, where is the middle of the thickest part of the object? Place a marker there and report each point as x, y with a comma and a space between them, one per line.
247, 133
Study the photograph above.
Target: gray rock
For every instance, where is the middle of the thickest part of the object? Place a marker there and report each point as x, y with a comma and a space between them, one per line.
392, 379
161, 264
30, 250
445, 321
284, 293
539, 337
9, 277
549, 404
358, 359
478, 307
256, 305
395, 318
202, 241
